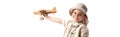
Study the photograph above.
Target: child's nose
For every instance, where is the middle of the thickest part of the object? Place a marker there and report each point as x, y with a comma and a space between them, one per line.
76, 15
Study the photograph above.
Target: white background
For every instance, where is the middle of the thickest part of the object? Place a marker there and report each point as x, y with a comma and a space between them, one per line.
17, 20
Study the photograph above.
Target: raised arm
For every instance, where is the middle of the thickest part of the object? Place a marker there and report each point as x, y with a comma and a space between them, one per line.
54, 19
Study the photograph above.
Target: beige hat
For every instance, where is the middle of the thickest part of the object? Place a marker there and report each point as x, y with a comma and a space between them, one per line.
80, 6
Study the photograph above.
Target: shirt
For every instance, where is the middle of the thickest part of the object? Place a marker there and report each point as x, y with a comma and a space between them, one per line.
73, 29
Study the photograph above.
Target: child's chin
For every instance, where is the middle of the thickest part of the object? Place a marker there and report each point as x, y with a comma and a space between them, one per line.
75, 20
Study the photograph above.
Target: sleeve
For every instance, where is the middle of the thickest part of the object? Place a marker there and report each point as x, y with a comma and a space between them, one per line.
65, 23
84, 31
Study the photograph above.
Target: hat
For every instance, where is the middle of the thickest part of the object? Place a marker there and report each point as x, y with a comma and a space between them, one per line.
80, 6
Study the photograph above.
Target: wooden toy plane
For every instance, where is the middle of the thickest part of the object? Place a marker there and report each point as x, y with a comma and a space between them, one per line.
40, 12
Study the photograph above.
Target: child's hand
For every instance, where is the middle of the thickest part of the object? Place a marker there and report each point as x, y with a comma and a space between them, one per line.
44, 13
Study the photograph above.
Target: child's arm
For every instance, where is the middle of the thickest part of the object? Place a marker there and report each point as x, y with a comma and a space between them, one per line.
84, 31
54, 19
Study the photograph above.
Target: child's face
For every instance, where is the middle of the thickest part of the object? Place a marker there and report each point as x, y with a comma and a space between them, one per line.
77, 15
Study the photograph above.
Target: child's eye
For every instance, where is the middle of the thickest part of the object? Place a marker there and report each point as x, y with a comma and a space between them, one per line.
79, 14
74, 12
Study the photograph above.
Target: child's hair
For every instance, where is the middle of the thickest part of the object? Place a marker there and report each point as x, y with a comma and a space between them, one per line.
83, 8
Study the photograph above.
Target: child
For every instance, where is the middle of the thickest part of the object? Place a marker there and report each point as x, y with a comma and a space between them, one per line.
77, 26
